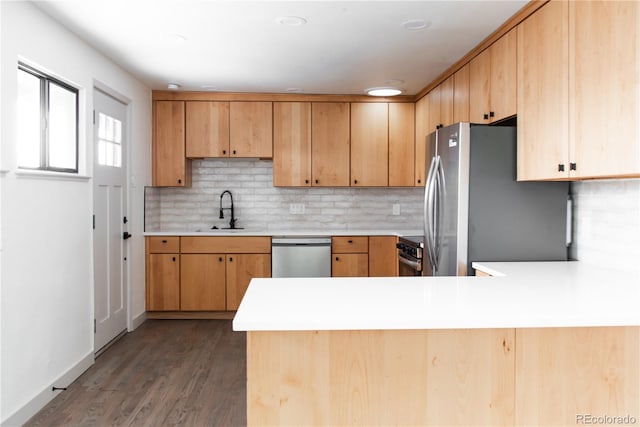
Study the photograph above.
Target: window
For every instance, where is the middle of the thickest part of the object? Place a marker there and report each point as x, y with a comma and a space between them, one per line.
47, 127
109, 141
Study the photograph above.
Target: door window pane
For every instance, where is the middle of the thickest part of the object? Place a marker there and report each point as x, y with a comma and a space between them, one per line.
29, 125
109, 141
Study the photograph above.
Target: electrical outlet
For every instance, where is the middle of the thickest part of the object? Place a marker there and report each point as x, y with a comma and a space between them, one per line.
296, 208
396, 208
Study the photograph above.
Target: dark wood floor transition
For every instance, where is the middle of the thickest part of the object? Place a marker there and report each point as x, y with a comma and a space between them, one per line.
167, 372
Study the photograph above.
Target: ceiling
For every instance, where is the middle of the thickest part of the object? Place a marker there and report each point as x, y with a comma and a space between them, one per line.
242, 46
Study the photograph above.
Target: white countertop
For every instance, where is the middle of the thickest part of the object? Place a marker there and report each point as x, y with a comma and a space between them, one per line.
316, 232
528, 294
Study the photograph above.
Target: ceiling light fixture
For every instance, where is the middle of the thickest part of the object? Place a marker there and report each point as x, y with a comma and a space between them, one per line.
415, 24
383, 91
292, 21
173, 86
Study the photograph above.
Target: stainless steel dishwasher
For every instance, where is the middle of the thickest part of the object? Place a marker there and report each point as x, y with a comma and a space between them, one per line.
301, 257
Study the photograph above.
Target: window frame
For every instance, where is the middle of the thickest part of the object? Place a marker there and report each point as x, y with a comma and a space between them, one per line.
45, 81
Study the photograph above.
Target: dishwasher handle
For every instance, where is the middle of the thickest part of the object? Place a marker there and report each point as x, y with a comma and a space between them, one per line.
301, 241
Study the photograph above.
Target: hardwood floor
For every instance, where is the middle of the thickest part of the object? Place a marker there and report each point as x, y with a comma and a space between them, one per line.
167, 372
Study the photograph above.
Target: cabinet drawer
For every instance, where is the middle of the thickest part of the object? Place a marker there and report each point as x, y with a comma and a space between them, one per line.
163, 244
225, 245
350, 244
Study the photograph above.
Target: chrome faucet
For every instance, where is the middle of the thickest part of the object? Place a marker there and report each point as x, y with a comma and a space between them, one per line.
232, 222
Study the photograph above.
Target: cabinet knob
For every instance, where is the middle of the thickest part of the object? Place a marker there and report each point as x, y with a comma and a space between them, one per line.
164, 241
355, 181
306, 181
317, 182
486, 116
179, 181
173, 258
572, 166
419, 181
234, 151
492, 114
337, 259
230, 259
560, 167
349, 241
224, 151
220, 259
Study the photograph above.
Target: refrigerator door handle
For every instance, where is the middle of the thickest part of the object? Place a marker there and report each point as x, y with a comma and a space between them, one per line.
439, 209
429, 196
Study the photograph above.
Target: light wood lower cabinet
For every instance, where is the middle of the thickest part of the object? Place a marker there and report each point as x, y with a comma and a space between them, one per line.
350, 256
203, 273
383, 256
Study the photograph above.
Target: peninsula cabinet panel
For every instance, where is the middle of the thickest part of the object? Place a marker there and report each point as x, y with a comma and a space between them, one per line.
163, 282
543, 93
241, 268
202, 282
401, 144
605, 88
291, 144
369, 144
169, 166
330, 144
461, 95
207, 124
383, 256
563, 373
251, 129
422, 130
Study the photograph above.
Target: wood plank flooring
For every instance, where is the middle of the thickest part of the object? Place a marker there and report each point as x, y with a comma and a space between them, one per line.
167, 372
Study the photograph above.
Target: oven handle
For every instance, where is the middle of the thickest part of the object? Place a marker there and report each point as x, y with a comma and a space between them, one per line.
416, 265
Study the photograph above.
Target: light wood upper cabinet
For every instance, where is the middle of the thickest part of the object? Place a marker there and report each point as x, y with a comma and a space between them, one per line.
461, 95
207, 129
421, 132
433, 98
543, 93
369, 144
291, 144
401, 144
604, 76
330, 144
202, 282
169, 166
447, 101
492, 81
241, 268
251, 129
578, 96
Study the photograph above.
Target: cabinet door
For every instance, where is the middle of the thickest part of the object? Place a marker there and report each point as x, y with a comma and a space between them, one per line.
202, 282
350, 265
401, 144
330, 144
292, 144
605, 88
422, 130
383, 256
543, 93
479, 84
503, 77
163, 282
461, 95
369, 144
251, 129
446, 102
169, 164
433, 98
241, 268
207, 126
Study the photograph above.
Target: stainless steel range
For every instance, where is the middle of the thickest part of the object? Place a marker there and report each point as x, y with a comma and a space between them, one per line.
410, 252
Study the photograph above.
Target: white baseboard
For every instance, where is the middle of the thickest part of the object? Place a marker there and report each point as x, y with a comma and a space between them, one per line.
137, 321
39, 401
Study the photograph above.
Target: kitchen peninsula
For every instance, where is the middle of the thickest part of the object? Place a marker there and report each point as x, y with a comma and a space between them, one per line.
538, 344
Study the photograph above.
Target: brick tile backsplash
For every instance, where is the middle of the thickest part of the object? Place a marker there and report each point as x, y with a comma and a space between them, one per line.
259, 205
606, 220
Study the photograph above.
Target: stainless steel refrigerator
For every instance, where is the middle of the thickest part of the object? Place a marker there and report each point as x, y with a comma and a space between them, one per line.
475, 210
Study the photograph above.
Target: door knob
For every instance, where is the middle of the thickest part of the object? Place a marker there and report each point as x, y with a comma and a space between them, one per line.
126, 235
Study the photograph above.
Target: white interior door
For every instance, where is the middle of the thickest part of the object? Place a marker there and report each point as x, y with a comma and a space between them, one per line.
109, 208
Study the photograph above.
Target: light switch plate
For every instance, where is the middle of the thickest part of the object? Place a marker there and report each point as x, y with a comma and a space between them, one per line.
296, 208
396, 208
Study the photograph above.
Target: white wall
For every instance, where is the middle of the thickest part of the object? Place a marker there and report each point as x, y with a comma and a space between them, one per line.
260, 205
46, 298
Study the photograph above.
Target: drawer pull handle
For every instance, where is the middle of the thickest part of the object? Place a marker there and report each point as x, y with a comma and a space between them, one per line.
350, 241
164, 241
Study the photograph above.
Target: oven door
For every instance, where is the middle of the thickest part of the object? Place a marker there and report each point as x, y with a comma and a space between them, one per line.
408, 265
